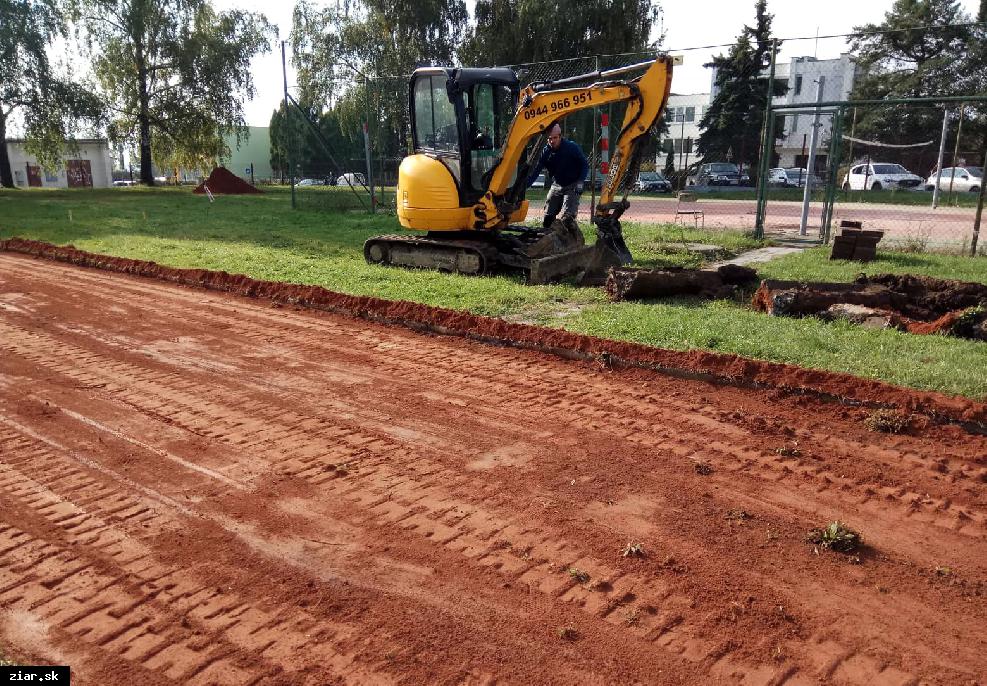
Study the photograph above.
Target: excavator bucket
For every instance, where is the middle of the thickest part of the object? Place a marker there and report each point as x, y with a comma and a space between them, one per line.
563, 252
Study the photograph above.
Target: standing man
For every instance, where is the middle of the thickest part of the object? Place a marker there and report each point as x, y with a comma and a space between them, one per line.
567, 164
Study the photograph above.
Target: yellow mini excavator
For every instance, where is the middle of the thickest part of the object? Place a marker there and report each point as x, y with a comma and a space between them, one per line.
476, 137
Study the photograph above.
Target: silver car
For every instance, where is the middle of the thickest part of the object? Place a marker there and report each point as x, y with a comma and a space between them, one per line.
963, 179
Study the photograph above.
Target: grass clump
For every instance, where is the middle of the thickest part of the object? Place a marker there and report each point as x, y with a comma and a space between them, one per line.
633, 550
579, 575
568, 633
887, 421
837, 536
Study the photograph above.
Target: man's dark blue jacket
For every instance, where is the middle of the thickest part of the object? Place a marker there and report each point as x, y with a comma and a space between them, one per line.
566, 165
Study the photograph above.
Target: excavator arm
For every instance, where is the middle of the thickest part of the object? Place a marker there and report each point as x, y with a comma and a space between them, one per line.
541, 105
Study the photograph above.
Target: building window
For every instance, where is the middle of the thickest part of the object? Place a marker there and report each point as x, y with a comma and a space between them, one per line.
798, 84
682, 145
690, 114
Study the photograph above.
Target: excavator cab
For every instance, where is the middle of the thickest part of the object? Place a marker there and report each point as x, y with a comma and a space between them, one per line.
476, 135
461, 117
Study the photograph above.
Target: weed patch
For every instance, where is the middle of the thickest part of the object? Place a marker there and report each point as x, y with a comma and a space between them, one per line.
887, 421
837, 536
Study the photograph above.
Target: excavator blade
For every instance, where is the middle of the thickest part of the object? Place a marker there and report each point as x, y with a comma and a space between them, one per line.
547, 269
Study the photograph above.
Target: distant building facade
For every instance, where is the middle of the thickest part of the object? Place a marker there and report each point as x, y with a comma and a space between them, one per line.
87, 163
801, 74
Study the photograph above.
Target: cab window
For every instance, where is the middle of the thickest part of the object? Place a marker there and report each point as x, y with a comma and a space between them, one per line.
490, 110
435, 116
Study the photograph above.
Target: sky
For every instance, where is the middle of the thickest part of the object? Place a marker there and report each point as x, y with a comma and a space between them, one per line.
686, 25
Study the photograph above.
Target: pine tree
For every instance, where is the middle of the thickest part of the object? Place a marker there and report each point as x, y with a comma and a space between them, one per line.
731, 125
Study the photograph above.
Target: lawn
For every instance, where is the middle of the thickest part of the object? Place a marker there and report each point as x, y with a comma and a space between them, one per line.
263, 237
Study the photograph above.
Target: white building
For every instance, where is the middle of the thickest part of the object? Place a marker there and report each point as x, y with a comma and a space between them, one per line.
801, 74
683, 114
88, 166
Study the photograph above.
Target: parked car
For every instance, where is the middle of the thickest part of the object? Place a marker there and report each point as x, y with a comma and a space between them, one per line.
652, 182
879, 176
309, 182
796, 177
351, 179
539, 181
717, 174
962, 178
124, 182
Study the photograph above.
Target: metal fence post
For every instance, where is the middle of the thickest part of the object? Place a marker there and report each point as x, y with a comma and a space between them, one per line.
287, 126
810, 165
835, 148
956, 151
942, 150
596, 161
767, 146
366, 148
980, 203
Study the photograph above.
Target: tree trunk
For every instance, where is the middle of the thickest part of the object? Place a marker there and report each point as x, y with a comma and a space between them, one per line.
147, 171
6, 174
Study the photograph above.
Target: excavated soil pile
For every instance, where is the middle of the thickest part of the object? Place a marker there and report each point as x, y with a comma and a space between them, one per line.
224, 182
628, 283
918, 304
695, 363
198, 488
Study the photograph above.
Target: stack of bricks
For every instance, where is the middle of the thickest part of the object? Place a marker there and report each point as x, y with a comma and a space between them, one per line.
853, 243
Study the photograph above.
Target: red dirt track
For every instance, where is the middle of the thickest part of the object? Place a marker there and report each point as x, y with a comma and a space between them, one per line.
198, 487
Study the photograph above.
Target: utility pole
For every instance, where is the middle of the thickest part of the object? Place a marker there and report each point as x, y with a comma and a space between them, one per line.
811, 164
942, 149
287, 125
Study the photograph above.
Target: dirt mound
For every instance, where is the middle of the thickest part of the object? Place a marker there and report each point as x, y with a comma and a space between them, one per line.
630, 283
694, 363
917, 304
224, 182
928, 298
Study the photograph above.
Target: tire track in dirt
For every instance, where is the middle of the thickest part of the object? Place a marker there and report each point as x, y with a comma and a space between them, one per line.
399, 485
636, 430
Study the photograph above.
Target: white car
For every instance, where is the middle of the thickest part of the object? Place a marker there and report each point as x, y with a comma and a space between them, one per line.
539, 182
309, 182
962, 178
879, 176
351, 179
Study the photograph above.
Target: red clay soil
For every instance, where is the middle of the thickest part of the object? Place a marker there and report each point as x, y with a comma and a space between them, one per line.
202, 488
224, 182
717, 366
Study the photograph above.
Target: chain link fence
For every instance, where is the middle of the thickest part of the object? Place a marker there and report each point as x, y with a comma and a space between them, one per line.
833, 159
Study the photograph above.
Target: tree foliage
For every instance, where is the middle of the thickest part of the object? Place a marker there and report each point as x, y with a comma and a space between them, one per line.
731, 125
176, 73
896, 60
355, 57
325, 154
517, 31
50, 105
